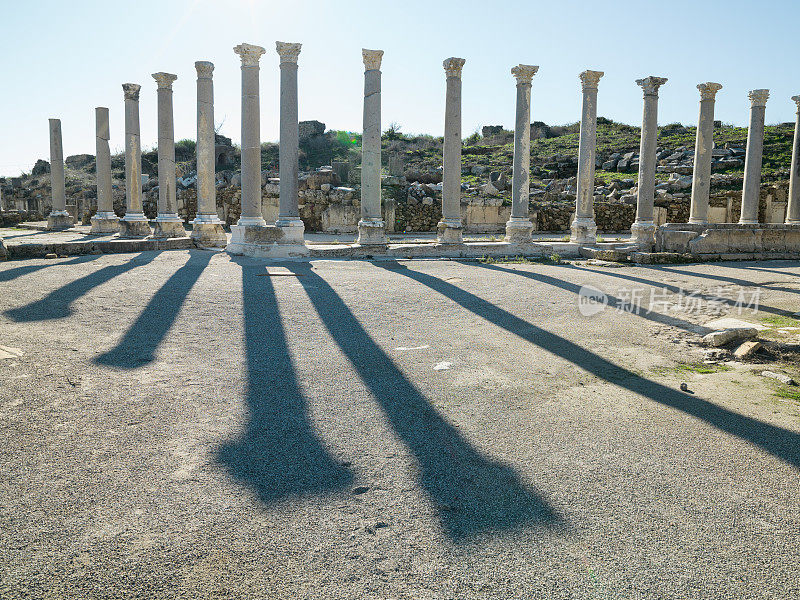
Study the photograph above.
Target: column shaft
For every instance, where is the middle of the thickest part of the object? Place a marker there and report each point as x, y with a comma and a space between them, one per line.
793, 207
104, 221
584, 229
703, 148
59, 218
134, 223
371, 227
755, 151
289, 211
450, 228
251, 137
206, 185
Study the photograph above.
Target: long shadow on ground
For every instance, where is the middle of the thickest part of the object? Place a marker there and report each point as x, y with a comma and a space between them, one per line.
779, 442
56, 305
472, 492
278, 455
14, 272
139, 344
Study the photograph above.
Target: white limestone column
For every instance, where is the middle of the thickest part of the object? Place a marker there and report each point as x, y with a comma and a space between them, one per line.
584, 228
643, 229
752, 161
251, 214
134, 224
519, 226
793, 207
168, 224
289, 220
59, 217
104, 220
703, 148
450, 228
371, 227
207, 229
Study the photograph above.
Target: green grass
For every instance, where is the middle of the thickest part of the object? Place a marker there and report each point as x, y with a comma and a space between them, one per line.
698, 368
780, 321
788, 393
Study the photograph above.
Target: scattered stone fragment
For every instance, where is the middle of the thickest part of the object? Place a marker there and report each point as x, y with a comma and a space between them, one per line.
731, 323
684, 387
8, 352
51, 255
747, 349
780, 377
720, 338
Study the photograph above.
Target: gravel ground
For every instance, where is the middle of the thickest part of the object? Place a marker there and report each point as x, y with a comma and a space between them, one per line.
185, 424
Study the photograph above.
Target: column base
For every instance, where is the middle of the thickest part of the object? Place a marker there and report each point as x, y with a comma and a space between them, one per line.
584, 231
267, 241
450, 231
371, 232
104, 222
207, 234
134, 225
292, 228
251, 222
168, 226
748, 222
59, 220
792, 222
644, 235
697, 221
518, 230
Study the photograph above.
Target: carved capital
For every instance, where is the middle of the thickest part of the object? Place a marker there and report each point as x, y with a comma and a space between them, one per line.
204, 69
590, 79
452, 66
758, 97
524, 73
797, 101
288, 51
651, 84
708, 90
372, 59
164, 80
131, 91
249, 53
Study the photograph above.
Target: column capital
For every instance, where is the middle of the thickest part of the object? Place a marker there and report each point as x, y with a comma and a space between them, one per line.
708, 90
372, 59
452, 66
131, 91
288, 51
249, 53
204, 69
590, 79
524, 73
651, 84
164, 80
797, 101
758, 97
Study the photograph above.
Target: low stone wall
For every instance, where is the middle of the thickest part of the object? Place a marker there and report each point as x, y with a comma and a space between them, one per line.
729, 240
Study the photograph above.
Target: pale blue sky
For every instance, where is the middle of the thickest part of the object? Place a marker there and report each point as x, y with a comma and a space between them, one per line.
61, 59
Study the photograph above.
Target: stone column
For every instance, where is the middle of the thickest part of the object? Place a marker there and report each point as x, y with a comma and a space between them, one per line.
643, 229
519, 226
703, 148
752, 161
105, 220
450, 228
371, 227
793, 207
289, 220
584, 228
168, 223
207, 230
134, 224
251, 213
59, 217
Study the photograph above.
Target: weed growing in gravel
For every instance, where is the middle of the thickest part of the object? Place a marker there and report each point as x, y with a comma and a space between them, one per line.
789, 394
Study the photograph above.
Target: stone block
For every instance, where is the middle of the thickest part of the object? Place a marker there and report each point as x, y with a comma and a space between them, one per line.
726, 336
675, 241
747, 349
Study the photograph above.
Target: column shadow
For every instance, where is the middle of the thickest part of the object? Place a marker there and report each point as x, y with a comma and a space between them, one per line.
472, 492
781, 443
56, 305
139, 344
13, 273
734, 280
278, 455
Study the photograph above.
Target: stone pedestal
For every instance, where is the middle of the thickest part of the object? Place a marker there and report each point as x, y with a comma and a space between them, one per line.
59, 218
449, 229
134, 224
105, 220
753, 158
703, 149
584, 228
371, 227
519, 226
289, 212
643, 230
168, 224
207, 228
793, 207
